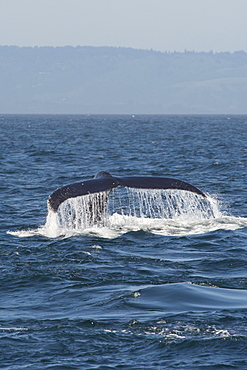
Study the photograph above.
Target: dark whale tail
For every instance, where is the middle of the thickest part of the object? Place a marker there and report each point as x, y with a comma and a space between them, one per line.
104, 182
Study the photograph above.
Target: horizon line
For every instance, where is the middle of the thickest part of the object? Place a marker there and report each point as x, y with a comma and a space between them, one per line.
185, 51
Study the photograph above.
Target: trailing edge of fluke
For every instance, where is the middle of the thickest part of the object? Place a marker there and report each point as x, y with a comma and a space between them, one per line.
104, 181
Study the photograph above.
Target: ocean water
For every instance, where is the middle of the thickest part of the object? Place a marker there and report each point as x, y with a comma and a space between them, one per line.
166, 289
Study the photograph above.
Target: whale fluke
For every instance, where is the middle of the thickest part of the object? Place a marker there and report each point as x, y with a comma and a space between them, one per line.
104, 181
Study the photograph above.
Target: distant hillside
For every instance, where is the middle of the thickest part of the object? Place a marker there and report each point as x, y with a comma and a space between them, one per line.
120, 80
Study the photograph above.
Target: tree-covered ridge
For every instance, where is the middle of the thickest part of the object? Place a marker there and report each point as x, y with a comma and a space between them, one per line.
120, 80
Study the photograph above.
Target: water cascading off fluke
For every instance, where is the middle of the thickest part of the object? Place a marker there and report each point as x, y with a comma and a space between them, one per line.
83, 212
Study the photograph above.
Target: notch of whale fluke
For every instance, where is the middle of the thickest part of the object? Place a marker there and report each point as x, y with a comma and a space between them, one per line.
104, 181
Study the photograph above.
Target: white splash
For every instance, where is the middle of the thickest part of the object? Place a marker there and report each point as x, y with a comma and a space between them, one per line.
161, 212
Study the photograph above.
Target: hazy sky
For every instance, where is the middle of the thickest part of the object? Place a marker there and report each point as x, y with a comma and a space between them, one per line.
164, 25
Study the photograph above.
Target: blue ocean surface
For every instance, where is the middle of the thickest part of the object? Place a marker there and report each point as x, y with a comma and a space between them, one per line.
166, 291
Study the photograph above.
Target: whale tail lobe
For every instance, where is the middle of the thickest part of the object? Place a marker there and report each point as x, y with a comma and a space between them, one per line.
105, 182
